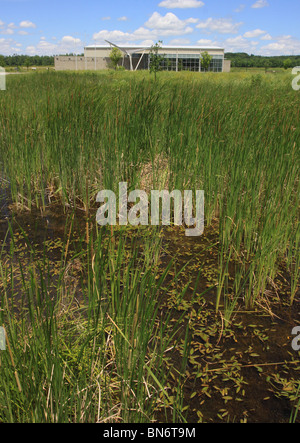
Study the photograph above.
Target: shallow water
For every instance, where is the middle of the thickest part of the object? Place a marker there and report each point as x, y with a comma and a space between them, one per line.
242, 370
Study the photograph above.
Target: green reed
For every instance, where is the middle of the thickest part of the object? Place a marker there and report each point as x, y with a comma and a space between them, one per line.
93, 355
66, 136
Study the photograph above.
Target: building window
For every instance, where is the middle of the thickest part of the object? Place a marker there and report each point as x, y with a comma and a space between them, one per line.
216, 63
189, 62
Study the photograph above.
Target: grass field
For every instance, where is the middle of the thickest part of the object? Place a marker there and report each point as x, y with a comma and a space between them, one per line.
140, 324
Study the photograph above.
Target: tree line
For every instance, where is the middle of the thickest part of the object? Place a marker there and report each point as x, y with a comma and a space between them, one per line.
244, 60
26, 60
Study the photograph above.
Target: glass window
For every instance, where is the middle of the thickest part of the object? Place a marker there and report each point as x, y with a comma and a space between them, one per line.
189, 62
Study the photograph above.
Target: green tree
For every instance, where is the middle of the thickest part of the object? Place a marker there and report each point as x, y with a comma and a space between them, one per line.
155, 58
206, 60
287, 63
27, 62
267, 65
115, 56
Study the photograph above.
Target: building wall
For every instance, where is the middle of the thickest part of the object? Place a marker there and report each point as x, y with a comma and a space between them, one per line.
227, 66
65, 63
97, 52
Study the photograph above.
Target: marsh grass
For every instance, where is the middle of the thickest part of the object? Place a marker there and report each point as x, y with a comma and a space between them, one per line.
65, 136
96, 354
94, 347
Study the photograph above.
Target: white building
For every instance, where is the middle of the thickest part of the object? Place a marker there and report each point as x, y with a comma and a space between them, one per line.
175, 58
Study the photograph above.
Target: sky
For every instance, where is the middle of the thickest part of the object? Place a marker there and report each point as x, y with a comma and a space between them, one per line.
50, 27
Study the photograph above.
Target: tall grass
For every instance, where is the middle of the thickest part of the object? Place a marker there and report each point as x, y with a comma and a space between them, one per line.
66, 136
96, 351
91, 355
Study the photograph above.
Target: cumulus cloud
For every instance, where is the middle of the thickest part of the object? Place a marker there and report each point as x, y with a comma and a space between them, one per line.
180, 41
266, 37
66, 45
240, 44
7, 31
117, 36
282, 45
156, 27
147, 43
220, 25
69, 40
8, 46
254, 34
207, 42
169, 24
181, 4
27, 24
260, 4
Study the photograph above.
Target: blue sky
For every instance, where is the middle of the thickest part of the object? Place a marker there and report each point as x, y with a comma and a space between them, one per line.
47, 27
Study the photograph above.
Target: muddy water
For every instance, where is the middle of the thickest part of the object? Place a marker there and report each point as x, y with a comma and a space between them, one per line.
244, 370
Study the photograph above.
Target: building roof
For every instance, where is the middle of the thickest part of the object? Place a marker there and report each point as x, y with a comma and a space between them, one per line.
129, 47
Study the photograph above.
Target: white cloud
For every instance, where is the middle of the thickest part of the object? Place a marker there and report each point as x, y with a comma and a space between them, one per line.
207, 42
27, 24
156, 27
123, 19
182, 4
7, 46
266, 37
68, 40
240, 44
240, 8
30, 50
144, 34
169, 24
66, 45
283, 45
220, 25
105, 18
7, 31
118, 36
254, 34
260, 4
115, 36
23, 32
180, 41
147, 43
